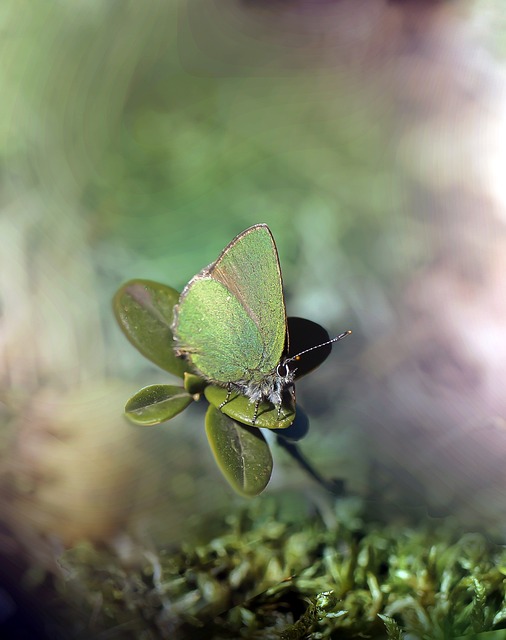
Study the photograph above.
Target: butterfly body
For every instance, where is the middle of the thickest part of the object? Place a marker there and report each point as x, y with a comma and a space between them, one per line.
269, 386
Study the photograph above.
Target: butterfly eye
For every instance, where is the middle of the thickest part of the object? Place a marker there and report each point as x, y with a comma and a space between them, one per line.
282, 370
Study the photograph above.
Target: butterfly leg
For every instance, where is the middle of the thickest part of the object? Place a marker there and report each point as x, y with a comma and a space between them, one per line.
229, 393
255, 414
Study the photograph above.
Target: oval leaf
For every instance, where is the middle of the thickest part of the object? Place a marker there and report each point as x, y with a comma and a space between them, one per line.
241, 409
144, 311
157, 403
241, 452
305, 334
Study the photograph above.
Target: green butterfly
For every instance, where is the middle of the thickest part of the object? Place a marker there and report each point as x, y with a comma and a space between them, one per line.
230, 324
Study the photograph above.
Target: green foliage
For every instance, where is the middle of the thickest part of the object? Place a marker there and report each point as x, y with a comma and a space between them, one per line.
241, 452
276, 572
194, 384
241, 409
144, 310
157, 403
315, 612
393, 630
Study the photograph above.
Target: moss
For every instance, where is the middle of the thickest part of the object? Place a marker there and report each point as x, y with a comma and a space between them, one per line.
274, 574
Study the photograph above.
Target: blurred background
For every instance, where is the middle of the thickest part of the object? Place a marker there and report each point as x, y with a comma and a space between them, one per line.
137, 139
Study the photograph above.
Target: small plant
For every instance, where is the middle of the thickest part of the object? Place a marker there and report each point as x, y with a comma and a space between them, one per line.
266, 573
232, 344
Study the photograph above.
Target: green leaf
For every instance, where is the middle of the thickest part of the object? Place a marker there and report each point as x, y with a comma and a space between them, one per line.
144, 311
157, 403
239, 408
394, 632
478, 611
241, 452
194, 384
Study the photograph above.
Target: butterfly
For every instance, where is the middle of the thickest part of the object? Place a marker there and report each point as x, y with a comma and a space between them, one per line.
230, 324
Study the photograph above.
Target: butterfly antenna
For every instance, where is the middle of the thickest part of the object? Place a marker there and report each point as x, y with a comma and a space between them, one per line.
323, 344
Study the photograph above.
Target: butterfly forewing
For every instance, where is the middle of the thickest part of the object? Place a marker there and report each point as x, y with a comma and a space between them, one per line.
249, 268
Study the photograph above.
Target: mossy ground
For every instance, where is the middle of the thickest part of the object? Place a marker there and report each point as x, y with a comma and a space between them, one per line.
283, 569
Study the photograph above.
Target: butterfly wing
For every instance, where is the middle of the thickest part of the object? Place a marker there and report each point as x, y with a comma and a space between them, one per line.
231, 317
